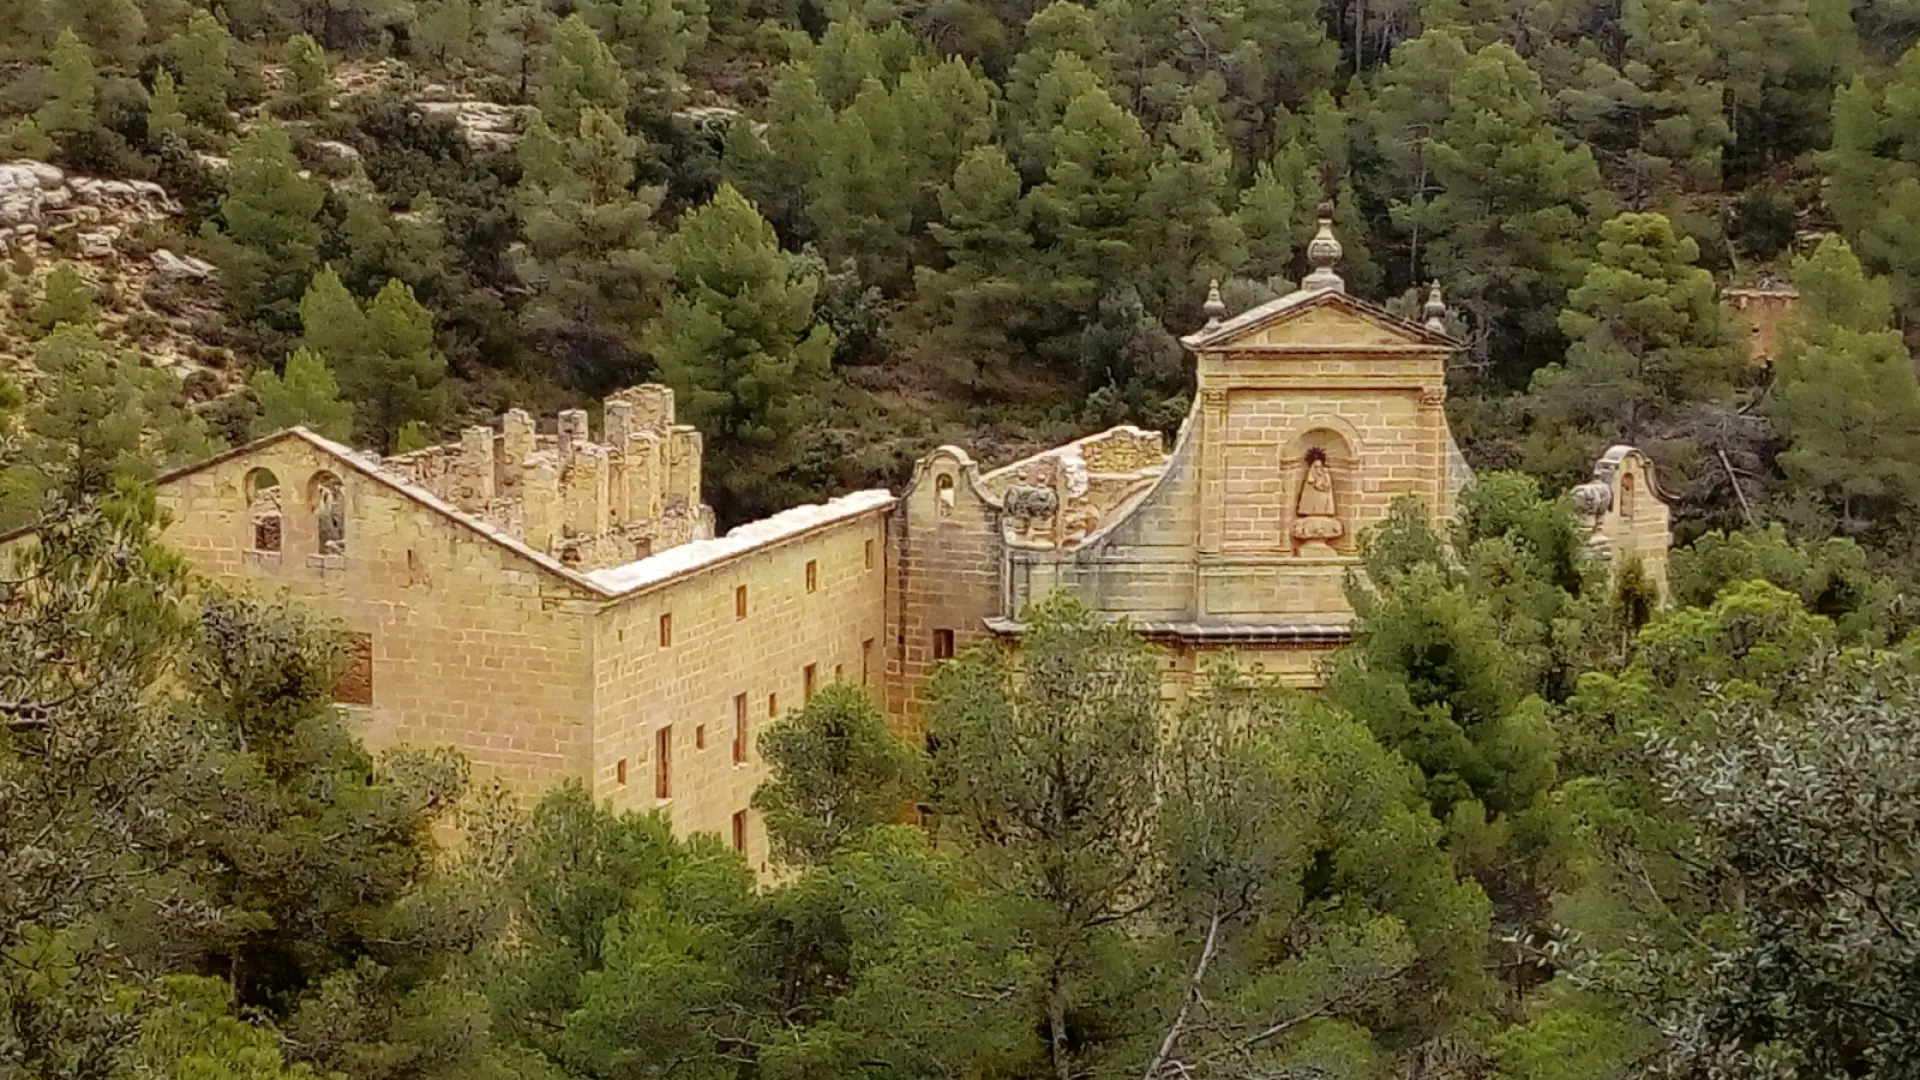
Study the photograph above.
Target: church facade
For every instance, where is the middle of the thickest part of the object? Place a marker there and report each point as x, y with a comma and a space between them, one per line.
556, 604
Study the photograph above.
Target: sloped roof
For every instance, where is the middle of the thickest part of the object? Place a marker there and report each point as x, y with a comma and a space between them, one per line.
1228, 331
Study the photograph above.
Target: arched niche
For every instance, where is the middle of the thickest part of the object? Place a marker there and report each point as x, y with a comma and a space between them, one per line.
944, 484
327, 497
265, 513
1304, 498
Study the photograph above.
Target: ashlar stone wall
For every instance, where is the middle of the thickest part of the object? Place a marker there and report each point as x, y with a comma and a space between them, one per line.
471, 644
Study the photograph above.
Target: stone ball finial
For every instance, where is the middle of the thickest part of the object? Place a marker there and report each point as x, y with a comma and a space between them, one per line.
1323, 254
1435, 310
1215, 307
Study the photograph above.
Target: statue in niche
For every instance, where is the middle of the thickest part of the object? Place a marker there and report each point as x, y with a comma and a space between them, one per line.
1316, 520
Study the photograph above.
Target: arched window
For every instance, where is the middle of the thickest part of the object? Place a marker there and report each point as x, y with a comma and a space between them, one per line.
263, 510
943, 489
1626, 496
329, 503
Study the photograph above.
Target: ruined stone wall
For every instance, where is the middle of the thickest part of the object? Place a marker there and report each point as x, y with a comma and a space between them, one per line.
592, 499
471, 644
946, 577
713, 656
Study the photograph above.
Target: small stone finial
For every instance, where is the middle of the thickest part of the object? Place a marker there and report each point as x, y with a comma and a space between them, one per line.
1215, 308
1435, 311
1323, 253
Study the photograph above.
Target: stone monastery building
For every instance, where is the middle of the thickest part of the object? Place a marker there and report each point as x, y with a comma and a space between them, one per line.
555, 602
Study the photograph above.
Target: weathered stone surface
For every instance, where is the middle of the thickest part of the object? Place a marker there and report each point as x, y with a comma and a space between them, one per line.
173, 267
484, 125
37, 198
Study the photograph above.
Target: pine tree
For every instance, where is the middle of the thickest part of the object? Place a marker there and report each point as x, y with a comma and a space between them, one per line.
1510, 225
1649, 340
1654, 113
398, 379
1085, 217
203, 56
66, 299
738, 343
590, 250
651, 40
269, 245
1184, 220
855, 199
517, 33
977, 306
1845, 400
104, 418
383, 355
1873, 176
69, 110
578, 72
165, 117
444, 31
304, 395
308, 85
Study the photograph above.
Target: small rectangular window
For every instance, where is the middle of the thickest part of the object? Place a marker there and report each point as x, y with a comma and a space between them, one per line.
700, 737
866, 662
813, 575
739, 830
739, 729
663, 763
620, 772
666, 629
867, 557
839, 673
740, 602
773, 706
943, 644
807, 679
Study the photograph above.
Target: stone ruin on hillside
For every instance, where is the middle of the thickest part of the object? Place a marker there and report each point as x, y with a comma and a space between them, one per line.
591, 503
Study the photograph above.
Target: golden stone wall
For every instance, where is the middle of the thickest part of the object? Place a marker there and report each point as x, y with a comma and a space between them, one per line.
538, 677
945, 578
715, 656
471, 644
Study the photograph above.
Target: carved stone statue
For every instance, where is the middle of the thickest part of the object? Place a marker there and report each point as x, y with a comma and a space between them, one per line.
1030, 511
1316, 520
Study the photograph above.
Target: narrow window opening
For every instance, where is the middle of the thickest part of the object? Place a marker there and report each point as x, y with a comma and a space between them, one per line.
740, 729
620, 772
740, 602
813, 575
263, 510
866, 662
663, 763
943, 644
666, 629
739, 830
329, 503
867, 555
773, 706
807, 679
700, 737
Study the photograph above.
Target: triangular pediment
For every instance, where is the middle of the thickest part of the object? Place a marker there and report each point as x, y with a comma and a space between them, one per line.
1325, 320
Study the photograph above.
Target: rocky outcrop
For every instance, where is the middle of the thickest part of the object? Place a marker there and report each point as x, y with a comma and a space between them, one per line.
484, 125
37, 199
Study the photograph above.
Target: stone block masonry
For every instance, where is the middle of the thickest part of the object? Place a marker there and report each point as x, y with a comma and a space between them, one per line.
474, 634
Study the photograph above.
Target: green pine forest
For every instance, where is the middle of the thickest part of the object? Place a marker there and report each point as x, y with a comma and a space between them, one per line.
1535, 827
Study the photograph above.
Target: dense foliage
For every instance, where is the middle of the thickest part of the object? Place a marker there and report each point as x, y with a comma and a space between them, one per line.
845, 232
1535, 829
1539, 826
